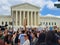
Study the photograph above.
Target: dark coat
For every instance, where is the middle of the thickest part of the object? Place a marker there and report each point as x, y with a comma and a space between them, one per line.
41, 39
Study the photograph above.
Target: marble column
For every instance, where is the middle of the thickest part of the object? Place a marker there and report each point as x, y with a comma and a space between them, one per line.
35, 18
27, 18
20, 18
23, 15
38, 18
16, 18
31, 18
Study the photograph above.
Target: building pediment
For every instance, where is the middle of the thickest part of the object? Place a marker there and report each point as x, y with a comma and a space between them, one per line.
25, 6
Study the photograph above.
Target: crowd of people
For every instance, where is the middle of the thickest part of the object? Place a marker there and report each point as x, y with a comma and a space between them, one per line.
29, 37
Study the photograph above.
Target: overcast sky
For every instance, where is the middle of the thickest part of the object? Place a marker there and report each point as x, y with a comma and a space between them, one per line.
47, 6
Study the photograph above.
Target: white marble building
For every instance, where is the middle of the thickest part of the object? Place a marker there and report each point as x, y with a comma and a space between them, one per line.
49, 21
31, 13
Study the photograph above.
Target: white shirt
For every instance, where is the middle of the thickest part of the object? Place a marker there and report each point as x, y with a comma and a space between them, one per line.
27, 42
21, 38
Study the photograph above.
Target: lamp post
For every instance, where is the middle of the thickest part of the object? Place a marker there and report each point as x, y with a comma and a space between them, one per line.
13, 23
12, 19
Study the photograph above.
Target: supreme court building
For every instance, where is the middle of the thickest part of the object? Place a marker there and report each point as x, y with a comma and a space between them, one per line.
25, 14
29, 15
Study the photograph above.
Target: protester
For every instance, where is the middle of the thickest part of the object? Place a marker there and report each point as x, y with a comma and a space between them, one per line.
38, 33
21, 38
26, 37
5, 32
16, 38
13, 38
34, 38
51, 39
1, 38
41, 38
29, 37
8, 40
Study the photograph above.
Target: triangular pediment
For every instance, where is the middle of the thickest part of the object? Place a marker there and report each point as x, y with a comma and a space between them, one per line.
25, 6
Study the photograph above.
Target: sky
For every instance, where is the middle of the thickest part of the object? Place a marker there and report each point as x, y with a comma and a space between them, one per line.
47, 7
